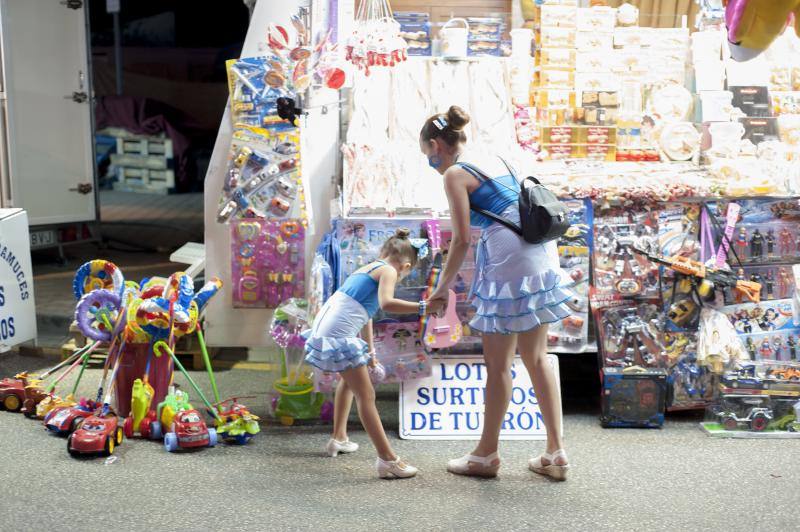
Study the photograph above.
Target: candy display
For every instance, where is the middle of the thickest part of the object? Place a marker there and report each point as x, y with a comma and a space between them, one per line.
267, 261
376, 40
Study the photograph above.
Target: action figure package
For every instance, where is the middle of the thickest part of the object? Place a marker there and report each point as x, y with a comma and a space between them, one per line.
617, 269
767, 231
769, 329
777, 282
628, 334
689, 382
572, 334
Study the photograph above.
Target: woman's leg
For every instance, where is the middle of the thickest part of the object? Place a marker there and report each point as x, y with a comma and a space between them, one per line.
342, 402
533, 351
498, 353
357, 380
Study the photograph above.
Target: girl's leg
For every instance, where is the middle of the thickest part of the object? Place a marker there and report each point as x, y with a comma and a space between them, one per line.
342, 402
533, 351
498, 352
357, 380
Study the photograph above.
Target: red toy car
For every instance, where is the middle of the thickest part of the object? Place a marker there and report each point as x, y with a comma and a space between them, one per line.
12, 394
67, 419
189, 431
96, 435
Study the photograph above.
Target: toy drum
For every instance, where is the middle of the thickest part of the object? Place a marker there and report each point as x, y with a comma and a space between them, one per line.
454, 39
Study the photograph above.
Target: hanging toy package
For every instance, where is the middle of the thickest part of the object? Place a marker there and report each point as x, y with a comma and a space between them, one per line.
376, 40
718, 345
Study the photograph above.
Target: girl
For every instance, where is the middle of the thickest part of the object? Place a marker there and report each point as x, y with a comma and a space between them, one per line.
518, 289
332, 345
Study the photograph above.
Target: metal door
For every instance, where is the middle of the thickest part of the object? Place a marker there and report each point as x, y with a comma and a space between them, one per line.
49, 114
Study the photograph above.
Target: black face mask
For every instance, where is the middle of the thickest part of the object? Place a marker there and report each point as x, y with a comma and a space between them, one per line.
287, 110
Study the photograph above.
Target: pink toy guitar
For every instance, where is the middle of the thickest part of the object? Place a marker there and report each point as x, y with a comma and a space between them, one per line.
439, 332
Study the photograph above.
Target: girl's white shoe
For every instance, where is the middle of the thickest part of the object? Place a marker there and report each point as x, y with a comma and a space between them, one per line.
394, 469
475, 466
334, 447
552, 470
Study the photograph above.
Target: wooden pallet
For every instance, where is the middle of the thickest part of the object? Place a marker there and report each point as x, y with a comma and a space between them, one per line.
187, 349
144, 180
144, 145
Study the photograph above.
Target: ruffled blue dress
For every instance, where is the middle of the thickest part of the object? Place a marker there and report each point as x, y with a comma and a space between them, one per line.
517, 286
332, 343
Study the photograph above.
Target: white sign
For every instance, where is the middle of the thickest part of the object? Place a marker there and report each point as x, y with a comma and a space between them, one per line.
449, 404
112, 6
17, 309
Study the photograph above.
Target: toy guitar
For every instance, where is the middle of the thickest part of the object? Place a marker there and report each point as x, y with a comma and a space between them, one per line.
439, 332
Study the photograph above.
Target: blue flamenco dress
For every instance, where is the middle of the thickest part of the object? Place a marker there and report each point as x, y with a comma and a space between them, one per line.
332, 343
517, 286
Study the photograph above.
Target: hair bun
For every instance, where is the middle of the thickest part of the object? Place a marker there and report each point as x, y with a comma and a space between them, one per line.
402, 233
457, 118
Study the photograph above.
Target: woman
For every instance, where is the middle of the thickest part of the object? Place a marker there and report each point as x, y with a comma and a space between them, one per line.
518, 289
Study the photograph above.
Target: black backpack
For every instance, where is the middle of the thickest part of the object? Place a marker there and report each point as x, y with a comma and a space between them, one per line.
543, 217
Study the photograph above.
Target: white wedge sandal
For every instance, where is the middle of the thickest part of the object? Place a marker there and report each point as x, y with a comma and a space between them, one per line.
552, 470
475, 466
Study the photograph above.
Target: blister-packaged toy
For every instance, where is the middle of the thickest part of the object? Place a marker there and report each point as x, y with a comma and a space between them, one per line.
267, 262
768, 329
767, 231
617, 268
689, 382
629, 335
571, 334
262, 177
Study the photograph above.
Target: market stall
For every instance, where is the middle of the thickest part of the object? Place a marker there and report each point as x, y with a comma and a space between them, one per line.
678, 165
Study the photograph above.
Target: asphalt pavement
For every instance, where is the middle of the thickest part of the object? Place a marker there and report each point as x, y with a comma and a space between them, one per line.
676, 478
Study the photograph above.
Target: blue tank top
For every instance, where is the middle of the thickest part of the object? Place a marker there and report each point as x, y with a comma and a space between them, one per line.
364, 289
493, 194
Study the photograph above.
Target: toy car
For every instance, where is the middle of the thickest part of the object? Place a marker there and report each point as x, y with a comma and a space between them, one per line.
573, 322
96, 435
744, 377
189, 431
66, 420
12, 392
236, 423
784, 374
34, 394
756, 420
682, 311
279, 206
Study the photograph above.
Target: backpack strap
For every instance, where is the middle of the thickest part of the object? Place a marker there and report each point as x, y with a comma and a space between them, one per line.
482, 177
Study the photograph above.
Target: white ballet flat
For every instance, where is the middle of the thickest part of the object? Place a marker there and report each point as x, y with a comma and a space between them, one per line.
394, 469
552, 470
475, 466
334, 447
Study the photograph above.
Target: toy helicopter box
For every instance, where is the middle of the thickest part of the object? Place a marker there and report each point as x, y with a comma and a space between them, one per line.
633, 399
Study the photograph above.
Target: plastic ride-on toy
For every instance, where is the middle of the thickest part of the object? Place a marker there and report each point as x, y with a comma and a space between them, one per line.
97, 435
189, 431
235, 422
142, 419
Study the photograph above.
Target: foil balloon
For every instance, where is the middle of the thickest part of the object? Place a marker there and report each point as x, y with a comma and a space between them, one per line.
97, 274
754, 24
96, 314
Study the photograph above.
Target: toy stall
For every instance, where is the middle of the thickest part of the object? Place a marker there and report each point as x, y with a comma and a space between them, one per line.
678, 163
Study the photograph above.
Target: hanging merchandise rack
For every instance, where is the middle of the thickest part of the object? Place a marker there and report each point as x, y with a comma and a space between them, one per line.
376, 40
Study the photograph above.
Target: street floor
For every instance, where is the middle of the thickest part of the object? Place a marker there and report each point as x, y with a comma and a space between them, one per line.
676, 478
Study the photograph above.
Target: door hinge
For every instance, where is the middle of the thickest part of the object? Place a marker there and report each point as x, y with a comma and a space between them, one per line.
72, 4
78, 97
82, 188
